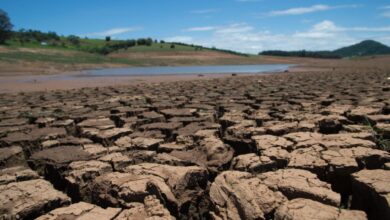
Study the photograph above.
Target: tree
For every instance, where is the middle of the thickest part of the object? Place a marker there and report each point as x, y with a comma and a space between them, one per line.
130, 43
108, 38
51, 35
172, 46
141, 41
74, 40
144, 41
5, 27
148, 41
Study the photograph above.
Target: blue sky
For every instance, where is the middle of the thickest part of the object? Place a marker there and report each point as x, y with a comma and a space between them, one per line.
243, 25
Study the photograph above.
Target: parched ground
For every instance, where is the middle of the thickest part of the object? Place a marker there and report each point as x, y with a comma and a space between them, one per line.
310, 145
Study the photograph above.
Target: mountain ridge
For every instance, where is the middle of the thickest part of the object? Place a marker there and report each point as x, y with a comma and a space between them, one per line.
363, 48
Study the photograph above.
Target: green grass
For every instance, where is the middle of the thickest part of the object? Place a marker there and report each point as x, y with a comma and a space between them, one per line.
86, 44
78, 58
158, 47
88, 58
383, 143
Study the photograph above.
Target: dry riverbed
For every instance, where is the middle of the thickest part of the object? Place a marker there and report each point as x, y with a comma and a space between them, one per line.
298, 145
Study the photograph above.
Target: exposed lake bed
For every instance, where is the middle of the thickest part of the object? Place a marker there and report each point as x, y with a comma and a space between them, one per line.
186, 70
195, 110
169, 142
130, 75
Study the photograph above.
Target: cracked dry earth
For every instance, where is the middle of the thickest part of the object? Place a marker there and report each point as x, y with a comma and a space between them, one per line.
282, 146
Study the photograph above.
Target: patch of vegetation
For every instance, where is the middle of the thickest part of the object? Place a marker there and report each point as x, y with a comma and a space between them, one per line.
198, 47
5, 27
301, 53
79, 58
38, 39
380, 140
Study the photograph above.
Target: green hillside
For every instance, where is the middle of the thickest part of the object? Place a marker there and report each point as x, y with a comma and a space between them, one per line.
364, 48
51, 40
37, 39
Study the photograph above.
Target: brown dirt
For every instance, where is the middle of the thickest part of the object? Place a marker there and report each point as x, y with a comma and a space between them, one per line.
174, 55
169, 148
26, 77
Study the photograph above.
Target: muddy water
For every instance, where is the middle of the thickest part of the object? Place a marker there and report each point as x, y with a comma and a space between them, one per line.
178, 70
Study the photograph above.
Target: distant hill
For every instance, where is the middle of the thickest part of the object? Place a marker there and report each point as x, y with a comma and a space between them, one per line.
364, 48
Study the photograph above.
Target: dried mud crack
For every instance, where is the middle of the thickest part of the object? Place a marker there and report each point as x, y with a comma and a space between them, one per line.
282, 146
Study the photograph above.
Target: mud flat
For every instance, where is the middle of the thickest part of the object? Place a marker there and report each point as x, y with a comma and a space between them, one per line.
304, 145
128, 76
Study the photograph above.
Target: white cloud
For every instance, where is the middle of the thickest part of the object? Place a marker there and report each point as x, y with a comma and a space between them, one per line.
386, 11
204, 11
181, 39
301, 10
306, 10
324, 29
386, 14
234, 28
206, 28
384, 39
368, 29
330, 27
325, 26
112, 32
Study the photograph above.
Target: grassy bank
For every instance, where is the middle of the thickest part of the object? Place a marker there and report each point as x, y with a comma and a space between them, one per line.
79, 58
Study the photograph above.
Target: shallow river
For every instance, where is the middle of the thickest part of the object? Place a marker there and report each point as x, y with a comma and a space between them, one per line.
140, 71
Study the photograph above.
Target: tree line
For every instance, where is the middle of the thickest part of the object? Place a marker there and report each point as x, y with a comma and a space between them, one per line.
199, 47
301, 53
124, 44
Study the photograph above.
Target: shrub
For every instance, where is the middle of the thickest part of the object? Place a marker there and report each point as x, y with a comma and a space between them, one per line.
74, 40
5, 27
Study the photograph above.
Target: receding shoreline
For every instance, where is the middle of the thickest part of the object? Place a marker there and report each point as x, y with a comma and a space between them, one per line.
72, 80
79, 79
30, 82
